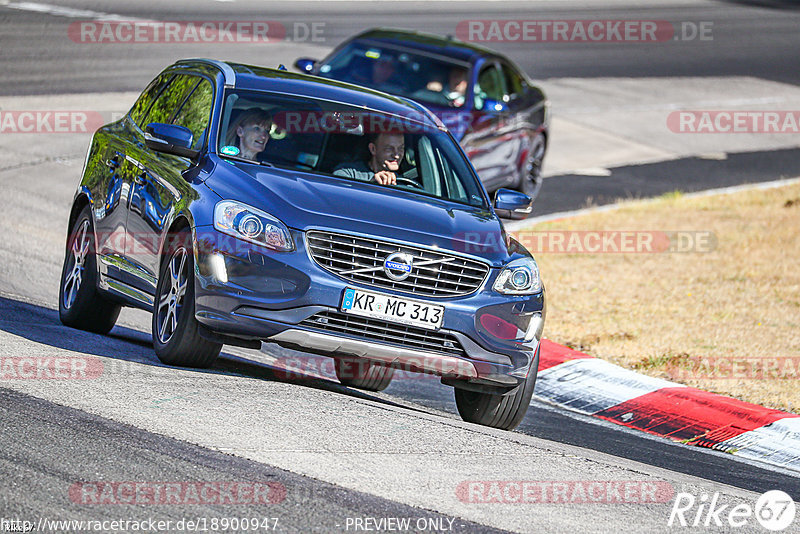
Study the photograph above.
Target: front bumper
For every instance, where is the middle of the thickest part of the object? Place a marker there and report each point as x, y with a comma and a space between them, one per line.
255, 293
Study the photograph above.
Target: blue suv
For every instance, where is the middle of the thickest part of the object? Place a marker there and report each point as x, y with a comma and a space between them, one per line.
242, 204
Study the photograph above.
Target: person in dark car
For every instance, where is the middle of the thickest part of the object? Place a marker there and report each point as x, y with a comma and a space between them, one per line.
250, 133
456, 89
386, 152
381, 73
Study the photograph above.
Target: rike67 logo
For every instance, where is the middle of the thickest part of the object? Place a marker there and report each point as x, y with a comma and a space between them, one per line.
774, 510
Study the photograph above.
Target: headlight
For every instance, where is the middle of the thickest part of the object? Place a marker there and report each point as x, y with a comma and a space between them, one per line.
520, 277
250, 224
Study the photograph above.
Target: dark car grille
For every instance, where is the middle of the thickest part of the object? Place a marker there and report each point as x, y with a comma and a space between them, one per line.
452, 275
411, 337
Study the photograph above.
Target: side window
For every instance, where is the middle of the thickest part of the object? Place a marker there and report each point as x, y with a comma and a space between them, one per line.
142, 105
514, 82
196, 111
489, 86
171, 98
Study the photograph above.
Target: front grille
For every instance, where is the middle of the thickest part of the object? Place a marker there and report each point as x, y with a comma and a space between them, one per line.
411, 337
450, 276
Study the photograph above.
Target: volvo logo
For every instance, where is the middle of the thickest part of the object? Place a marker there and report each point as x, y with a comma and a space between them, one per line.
397, 266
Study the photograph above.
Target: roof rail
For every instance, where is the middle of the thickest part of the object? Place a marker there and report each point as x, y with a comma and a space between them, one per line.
227, 71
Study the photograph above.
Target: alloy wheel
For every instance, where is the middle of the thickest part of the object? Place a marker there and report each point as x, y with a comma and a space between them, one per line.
170, 301
78, 253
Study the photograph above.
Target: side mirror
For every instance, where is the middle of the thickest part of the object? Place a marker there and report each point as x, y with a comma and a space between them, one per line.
305, 65
498, 106
170, 139
510, 204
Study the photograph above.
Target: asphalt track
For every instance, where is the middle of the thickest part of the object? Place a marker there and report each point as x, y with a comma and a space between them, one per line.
122, 428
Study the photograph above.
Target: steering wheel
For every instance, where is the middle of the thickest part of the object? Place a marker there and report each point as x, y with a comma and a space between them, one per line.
408, 182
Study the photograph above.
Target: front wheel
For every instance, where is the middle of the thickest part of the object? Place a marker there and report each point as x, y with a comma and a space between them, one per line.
498, 411
79, 303
176, 332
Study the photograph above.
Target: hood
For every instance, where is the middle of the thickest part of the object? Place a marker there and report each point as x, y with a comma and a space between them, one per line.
303, 200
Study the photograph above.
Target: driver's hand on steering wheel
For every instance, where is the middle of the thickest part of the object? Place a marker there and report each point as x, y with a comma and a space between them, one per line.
386, 178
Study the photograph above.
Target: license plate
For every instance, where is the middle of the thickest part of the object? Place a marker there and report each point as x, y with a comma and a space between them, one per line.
391, 308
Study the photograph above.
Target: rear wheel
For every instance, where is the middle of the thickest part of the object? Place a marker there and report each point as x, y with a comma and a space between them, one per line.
532, 173
498, 411
176, 332
80, 305
362, 374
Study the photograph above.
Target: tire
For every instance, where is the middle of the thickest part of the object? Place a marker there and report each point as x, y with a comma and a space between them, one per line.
80, 305
498, 411
176, 332
364, 375
531, 175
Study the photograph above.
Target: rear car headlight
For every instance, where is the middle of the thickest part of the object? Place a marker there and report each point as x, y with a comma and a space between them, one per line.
520, 277
253, 225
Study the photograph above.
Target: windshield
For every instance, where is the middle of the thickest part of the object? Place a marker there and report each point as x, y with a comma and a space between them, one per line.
426, 79
409, 153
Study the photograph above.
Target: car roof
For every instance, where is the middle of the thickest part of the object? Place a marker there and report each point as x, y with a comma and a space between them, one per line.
426, 42
252, 77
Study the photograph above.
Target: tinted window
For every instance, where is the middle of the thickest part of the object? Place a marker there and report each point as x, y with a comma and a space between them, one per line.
141, 107
514, 82
427, 79
171, 98
334, 140
196, 111
489, 86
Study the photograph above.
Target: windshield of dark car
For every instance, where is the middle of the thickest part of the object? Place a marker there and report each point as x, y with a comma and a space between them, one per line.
342, 141
426, 79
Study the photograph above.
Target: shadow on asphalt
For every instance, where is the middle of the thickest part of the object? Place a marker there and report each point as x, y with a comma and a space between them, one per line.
42, 325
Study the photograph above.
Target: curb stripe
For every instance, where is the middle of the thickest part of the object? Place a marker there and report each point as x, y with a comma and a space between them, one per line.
692, 416
552, 354
592, 385
772, 443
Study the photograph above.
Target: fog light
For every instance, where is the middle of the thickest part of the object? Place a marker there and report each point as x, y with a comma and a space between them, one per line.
534, 328
218, 269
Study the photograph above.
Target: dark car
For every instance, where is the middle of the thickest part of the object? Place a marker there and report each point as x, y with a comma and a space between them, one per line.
259, 233
490, 106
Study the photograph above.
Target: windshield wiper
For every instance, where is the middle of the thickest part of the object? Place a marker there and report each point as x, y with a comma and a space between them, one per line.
245, 160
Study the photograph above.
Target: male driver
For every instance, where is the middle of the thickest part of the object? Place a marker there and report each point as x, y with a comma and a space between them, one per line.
456, 86
386, 151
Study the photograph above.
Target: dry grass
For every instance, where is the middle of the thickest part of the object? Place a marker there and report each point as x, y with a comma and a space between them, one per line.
688, 316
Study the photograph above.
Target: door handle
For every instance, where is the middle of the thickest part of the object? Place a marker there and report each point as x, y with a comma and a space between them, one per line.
140, 179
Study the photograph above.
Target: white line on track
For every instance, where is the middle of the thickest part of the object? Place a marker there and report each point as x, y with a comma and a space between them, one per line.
516, 226
69, 12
